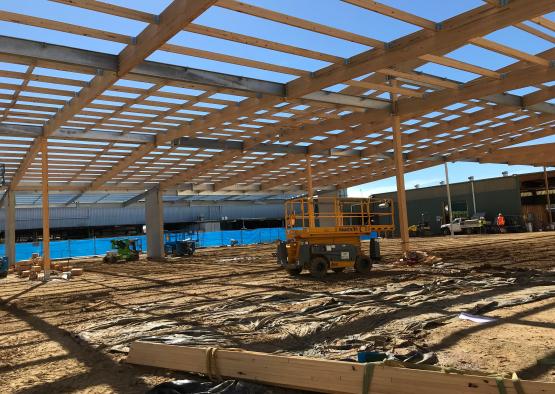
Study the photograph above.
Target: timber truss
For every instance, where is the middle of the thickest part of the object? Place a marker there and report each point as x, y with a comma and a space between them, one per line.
123, 123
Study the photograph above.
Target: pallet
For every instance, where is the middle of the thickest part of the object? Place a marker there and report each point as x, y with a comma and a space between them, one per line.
321, 375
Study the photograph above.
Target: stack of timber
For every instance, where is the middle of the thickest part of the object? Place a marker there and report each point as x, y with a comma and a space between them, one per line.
320, 375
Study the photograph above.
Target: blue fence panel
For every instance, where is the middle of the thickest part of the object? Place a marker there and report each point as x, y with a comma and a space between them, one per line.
99, 246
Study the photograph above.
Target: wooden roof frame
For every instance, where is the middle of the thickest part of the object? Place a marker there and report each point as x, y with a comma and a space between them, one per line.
101, 141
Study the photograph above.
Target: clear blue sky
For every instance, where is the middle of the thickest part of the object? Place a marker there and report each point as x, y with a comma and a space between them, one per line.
331, 12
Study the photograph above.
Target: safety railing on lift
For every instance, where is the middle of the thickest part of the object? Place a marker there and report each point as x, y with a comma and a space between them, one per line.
339, 215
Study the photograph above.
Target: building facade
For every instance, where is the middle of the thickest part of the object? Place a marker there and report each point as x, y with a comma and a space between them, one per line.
512, 196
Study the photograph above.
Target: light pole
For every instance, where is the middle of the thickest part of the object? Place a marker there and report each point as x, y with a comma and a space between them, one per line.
449, 199
471, 179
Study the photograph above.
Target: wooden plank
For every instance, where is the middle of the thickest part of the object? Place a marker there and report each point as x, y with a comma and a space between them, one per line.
378, 121
259, 42
394, 13
220, 57
172, 20
260, 12
544, 22
111, 9
536, 32
63, 27
319, 375
137, 154
448, 62
513, 80
385, 88
419, 78
508, 51
455, 32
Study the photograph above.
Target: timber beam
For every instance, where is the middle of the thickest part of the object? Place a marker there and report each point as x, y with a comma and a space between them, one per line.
95, 61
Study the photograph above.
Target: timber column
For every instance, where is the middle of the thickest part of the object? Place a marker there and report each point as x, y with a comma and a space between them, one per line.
399, 172
45, 212
310, 193
154, 214
10, 226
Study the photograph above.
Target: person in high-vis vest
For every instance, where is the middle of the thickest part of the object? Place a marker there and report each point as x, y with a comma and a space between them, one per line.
500, 223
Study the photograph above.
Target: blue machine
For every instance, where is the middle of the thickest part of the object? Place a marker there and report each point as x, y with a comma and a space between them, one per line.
179, 243
4, 265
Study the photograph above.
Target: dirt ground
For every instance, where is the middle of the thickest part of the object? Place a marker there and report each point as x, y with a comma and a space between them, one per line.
72, 336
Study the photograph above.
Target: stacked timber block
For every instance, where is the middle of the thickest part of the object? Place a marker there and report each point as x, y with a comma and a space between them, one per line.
327, 376
76, 271
21, 267
30, 269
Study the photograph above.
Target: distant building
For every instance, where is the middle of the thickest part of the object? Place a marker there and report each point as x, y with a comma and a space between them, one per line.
521, 199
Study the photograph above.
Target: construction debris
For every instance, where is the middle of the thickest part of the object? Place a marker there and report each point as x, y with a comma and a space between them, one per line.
406, 312
418, 257
476, 318
198, 386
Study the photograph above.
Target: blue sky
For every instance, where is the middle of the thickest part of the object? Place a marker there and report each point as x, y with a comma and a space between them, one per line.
330, 12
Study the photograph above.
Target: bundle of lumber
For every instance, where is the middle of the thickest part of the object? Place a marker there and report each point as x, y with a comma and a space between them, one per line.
322, 375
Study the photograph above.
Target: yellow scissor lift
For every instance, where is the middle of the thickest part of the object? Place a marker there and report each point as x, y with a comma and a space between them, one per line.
324, 233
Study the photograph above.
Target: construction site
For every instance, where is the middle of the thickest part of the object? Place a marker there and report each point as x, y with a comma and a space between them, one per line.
177, 208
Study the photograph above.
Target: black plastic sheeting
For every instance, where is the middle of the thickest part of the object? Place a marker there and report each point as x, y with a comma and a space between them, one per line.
224, 387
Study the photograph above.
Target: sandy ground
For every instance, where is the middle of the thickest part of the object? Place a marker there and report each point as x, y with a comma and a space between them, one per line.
71, 336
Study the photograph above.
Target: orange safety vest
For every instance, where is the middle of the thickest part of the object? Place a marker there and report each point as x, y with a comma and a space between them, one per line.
500, 221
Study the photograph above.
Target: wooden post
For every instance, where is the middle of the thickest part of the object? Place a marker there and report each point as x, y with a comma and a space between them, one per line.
449, 198
9, 228
549, 213
45, 213
400, 173
310, 193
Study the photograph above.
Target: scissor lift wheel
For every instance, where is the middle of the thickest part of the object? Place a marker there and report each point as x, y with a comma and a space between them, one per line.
319, 266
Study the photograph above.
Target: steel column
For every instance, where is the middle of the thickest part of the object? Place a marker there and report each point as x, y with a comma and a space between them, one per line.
154, 215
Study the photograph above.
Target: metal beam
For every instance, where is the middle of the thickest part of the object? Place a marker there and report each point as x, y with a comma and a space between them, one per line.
207, 143
210, 78
103, 135
133, 200
513, 100
73, 199
4, 196
344, 99
101, 61
16, 130
35, 50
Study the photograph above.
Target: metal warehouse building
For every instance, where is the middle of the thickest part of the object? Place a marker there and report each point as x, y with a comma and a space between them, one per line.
522, 199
